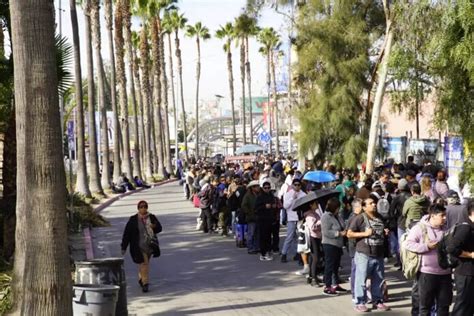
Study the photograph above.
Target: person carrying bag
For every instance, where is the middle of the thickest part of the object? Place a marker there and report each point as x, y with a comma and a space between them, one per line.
140, 233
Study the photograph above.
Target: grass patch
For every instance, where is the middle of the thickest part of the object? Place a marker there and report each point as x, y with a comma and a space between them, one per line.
83, 214
6, 301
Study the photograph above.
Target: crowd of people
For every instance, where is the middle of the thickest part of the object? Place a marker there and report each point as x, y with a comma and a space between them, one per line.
404, 214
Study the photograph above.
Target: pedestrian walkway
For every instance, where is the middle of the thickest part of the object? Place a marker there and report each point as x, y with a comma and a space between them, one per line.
199, 274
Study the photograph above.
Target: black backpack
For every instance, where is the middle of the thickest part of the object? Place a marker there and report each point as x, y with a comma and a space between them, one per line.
445, 259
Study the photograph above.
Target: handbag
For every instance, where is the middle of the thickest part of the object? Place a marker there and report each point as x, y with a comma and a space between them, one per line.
154, 245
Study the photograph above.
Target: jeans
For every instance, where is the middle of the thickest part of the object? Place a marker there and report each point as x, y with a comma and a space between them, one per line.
275, 237
464, 288
290, 239
353, 276
393, 244
435, 289
252, 237
265, 235
368, 267
332, 261
207, 219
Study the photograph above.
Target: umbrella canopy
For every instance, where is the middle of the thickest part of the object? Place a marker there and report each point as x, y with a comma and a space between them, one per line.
319, 176
249, 149
322, 196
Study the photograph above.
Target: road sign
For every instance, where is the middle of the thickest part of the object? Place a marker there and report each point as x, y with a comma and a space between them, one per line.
264, 137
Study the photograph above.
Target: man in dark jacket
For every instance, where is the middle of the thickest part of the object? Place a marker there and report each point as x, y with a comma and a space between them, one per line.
266, 209
461, 245
248, 208
397, 220
205, 201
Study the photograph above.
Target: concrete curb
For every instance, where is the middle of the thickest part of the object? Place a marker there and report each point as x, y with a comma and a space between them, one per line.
87, 231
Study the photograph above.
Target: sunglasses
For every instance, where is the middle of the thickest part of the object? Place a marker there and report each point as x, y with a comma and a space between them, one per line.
297, 184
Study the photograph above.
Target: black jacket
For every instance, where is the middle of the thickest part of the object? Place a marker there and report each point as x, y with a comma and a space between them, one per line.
396, 208
263, 213
463, 240
131, 236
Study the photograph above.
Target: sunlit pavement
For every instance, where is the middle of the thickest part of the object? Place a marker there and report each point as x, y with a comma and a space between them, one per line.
201, 274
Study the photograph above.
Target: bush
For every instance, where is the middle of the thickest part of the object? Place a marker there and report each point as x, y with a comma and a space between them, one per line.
5, 288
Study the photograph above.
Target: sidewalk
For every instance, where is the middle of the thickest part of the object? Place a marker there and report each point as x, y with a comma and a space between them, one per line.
202, 274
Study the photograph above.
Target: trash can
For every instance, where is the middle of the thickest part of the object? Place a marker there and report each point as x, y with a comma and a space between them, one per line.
105, 271
94, 299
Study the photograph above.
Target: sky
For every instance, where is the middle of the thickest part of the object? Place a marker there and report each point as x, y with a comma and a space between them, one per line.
214, 78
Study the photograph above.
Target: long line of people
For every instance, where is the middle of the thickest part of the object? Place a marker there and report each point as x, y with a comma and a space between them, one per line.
402, 215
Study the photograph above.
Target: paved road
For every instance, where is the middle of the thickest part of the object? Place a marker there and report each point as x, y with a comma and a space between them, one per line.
200, 274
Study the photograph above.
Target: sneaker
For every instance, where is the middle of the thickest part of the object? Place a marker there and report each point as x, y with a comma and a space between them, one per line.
381, 307
361, 308
329, 292
305, 271
268, 257
340, 289
262, 258
283, 259
145, 288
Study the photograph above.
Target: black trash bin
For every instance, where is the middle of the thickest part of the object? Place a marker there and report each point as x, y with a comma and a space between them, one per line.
105, 271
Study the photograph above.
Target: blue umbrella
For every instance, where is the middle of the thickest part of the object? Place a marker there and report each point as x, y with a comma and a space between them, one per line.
319, 176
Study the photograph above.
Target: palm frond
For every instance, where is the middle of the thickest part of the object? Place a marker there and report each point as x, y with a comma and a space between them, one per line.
64, 58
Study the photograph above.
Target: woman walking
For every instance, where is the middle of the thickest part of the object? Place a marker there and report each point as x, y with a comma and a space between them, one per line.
140, 233
333, 232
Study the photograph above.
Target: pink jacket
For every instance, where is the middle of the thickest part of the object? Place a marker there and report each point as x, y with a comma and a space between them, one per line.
313, 224
416, 242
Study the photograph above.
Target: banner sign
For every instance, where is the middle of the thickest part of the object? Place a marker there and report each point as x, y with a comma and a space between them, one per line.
395, 148
453, 155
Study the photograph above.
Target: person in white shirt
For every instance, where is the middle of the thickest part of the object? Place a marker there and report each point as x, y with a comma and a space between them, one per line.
289, 199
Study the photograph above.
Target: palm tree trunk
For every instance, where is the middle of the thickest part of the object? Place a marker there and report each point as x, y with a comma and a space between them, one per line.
42, 279
81, 181
129, 48
113, 96
180, 73
198, 75
146, 102
269, 107
141, 124
122, 85
94, 176
157, 96
95, 19
242, 80
175, 110
275, 106
231, 88
249, 83
164, 98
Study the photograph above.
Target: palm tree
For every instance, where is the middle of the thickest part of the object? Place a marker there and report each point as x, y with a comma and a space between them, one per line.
81, 181
141, 9
41, 179
136, 75
270, 40
201, 33
178, 22
122, 84
127, 20
243, 25
105, 180
227, 32
153, 12
168, 30
94, 177
251, 31
116, 124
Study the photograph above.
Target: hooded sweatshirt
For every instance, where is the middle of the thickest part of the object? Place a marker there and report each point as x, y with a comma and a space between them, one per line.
414, 208
418, 243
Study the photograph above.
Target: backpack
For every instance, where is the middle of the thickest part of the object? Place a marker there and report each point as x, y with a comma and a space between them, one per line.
445, 259
383, 205
411, 261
